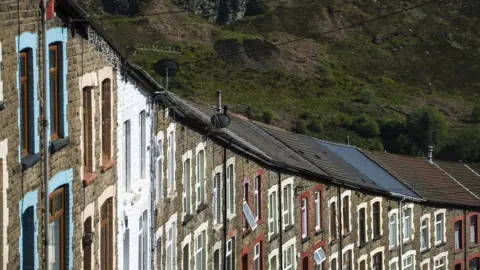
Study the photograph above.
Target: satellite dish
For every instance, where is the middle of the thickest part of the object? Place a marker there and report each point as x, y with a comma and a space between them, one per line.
164, 65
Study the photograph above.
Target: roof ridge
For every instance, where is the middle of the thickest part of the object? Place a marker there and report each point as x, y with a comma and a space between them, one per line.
453, 178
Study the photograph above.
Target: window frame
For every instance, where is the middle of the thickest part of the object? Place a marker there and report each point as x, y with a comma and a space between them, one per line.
231, 188
159, 177
26, 95
61, 217
425, 218
200, 191
304, 216
142, 123
187, 184
171, 159
272, 211
376, 252
257, 196
127, 155
107, 120
55, 102
333, 225
348, 249
408, 254
107, 222
458, 220
444, 256
287, 203
346, 218
318, 210
473, 229
376, 223
230, 254
409, 221
442, 213
360, 207
88, 127
393, 234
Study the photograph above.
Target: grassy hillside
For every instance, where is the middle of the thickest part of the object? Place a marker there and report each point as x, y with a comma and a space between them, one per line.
362, 82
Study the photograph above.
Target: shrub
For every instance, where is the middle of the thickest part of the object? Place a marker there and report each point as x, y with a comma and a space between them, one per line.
300, 126
426, 126
366, 127
367, 96
267, 117
315, 126
475, 116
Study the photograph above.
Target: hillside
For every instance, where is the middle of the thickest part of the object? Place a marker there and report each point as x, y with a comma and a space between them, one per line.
362, 82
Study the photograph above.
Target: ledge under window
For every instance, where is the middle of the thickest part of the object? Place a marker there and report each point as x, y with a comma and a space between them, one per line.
319, 231
186, 219
425, 250
201, 207
30, 160
439, 244
2, 105
288, 228
273, 237
89, 178
306, 239
59, 144
107, 165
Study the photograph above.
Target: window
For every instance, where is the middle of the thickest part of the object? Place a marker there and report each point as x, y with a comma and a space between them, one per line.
57, 230
55, 91
474, 264
287, 205
346, 213
363, 265
216, 259
288, 258
347, 260
127, 153
186, 257
473, 229
362, 226
245, 201
333, 220
439, 228
458, 266
251, 221
88, 130
333, 264
272, 213
143, 241
143, 144
231, 190
407, 223
171, 256
257, 261
407, 263
245, 262
230, 264
376, 219
200, 185
186, 187
26, 101
425, 265
126, 249
458, 235
273, 263
392, 224
159, 253
257, 197
159, 169
87, 245
217, 201
319, 256
424, 234
439, 264
393, 266
29, 238
171, 160
377, 261
1, 82
318, 211
106, 119
304, 218
200, 262
106, 234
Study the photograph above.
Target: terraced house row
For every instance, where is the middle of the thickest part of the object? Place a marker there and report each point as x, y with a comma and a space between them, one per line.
141, 179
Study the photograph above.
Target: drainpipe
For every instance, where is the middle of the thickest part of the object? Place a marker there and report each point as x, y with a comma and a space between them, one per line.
465, 239
153, 210
45, 131
340, 229
280, 219
224, 240
400, 223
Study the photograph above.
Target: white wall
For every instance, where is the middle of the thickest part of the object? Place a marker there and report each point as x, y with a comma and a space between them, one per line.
131, 205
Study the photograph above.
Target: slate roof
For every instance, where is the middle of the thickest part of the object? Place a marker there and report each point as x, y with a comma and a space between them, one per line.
426, 179
466, 176
370, 169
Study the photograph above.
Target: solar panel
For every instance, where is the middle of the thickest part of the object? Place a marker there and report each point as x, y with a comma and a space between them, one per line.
249, 216
319, 256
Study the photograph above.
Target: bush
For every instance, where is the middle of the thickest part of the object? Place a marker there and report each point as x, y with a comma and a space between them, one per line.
267, 117
367, 96
300, 126
315, 126
366, 127
475, 116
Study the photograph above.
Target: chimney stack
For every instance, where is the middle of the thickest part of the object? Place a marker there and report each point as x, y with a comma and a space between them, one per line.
430, 153
219, 101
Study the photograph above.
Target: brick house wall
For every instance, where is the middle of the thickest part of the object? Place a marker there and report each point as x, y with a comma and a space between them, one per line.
25, 186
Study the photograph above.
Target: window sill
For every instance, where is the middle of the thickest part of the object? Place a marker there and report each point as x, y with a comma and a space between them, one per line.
273, 237
2, 105
88, 178
246, 232
186, 219
58, 144
201, 207
423, 251
439, 244
394, 248
217, 227
108, 165
376, 238
305, 240
317, 232
333, 241
288, 228
30, 160
472, 246
362, 245
458, 251
346, 234
407, 242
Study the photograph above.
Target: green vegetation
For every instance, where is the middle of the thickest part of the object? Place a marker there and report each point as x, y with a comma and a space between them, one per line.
415, 86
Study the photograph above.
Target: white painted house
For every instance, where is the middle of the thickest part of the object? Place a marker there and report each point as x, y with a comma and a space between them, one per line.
133, 188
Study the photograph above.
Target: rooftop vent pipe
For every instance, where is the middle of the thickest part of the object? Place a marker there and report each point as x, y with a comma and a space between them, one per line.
430, 153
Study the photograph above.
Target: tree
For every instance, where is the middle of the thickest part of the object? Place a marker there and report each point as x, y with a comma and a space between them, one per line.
426, 126
475, 116
367, 96
464, 146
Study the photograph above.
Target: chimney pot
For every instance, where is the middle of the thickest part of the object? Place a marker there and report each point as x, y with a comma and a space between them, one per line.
430, 153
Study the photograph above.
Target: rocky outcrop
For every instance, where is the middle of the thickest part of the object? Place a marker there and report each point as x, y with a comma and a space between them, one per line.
218, 11
255, 53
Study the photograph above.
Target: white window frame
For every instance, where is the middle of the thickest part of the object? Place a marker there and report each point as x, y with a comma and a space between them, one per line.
142, 238
332, 257
231, 208
444, 236
330, 201
287, 245
256, 195
171, 223
304, 217
321, 251
406, 255
393, 260
362, 258
407, 238
202, 227
231, 252
438, 257
423, 218
127, 155
217, 202
427, 262
256, 256
375, 251
159, 177
159, 235
187, 240
289, 211
348, 194
187, 198
391, 213
217, 247
318, 210
200, 179
273, 253
349, 248
142, 144
171, 155
380, 201
360, 206
272, 219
